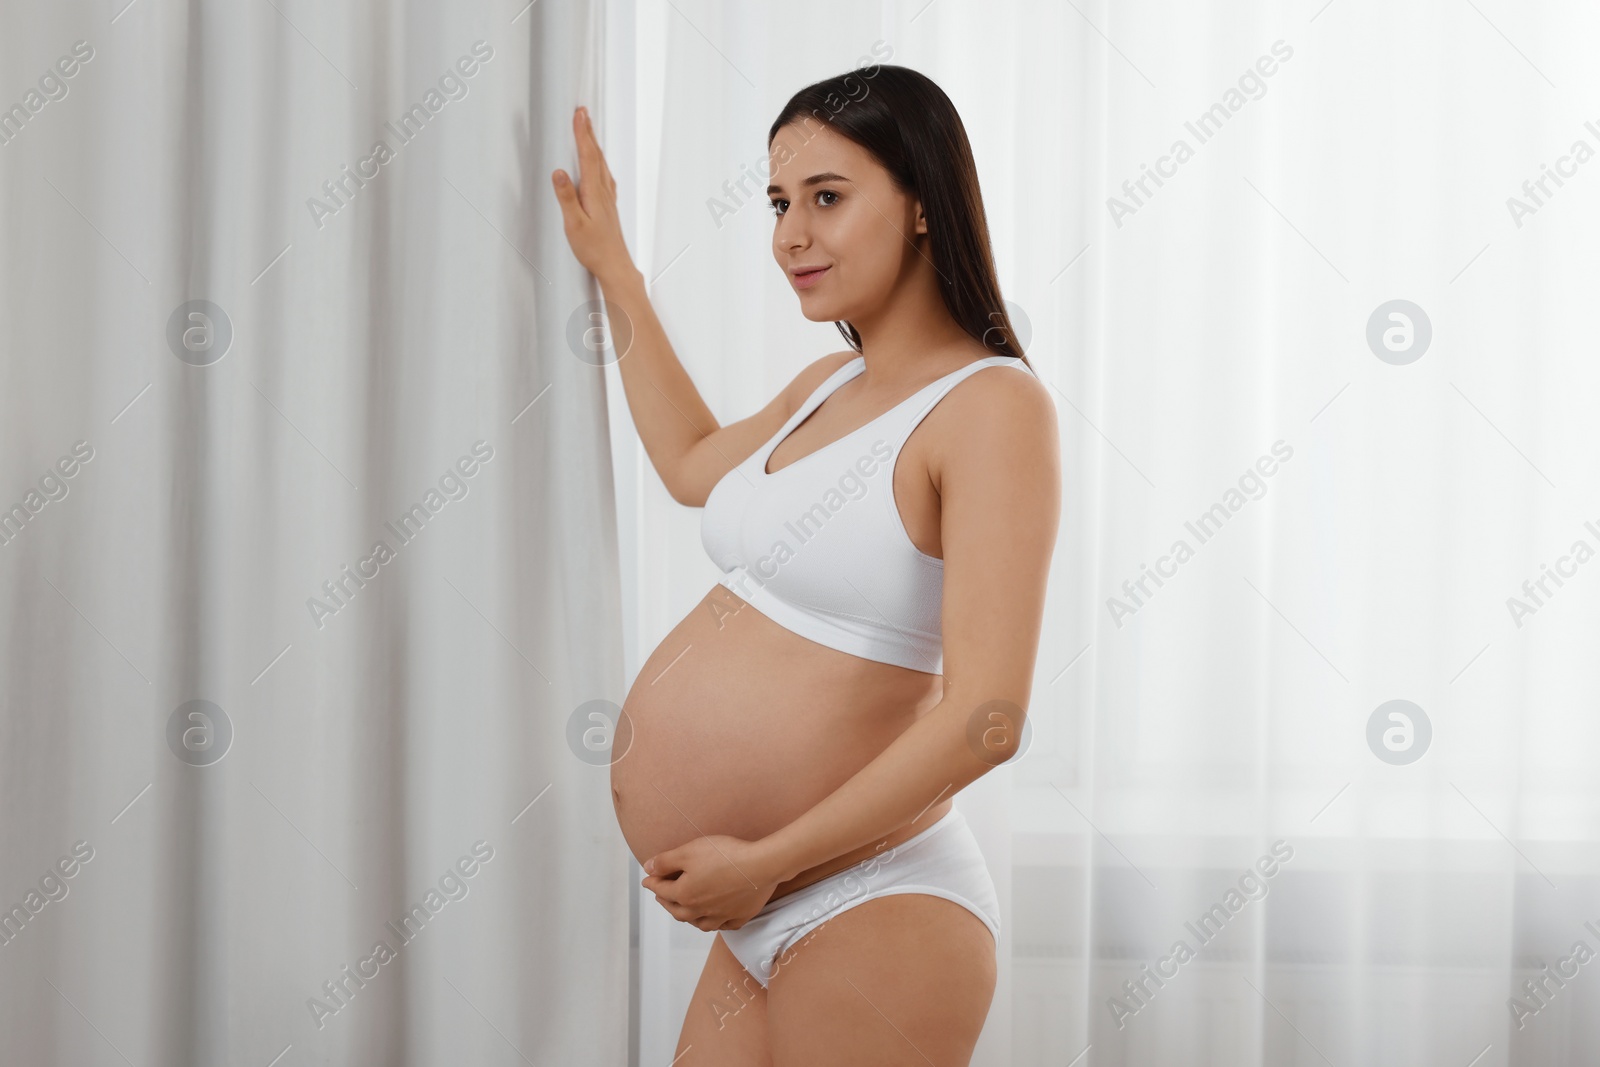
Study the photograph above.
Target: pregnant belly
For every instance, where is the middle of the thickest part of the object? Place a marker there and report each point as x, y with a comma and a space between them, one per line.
740, 726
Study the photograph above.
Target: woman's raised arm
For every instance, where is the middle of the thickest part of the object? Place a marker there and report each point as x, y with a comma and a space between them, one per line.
688, 448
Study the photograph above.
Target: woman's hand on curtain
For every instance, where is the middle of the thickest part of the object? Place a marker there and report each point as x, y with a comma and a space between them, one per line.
589, 209
714, 883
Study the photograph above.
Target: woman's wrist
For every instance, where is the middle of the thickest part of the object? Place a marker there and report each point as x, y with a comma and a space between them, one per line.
772, 863
621, 277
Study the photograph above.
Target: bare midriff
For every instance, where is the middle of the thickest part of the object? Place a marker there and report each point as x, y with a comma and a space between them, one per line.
740, 726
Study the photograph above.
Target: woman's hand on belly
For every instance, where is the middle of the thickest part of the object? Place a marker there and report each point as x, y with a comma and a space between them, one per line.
714, 883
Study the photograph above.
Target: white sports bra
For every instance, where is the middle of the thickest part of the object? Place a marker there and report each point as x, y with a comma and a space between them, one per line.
819, 546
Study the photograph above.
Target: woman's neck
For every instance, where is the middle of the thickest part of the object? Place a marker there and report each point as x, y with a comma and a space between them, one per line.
912, 330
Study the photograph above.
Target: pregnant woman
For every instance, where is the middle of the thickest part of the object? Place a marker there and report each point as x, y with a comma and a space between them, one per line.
884, 527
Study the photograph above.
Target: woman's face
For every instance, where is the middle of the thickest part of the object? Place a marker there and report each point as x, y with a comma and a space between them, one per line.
837, 208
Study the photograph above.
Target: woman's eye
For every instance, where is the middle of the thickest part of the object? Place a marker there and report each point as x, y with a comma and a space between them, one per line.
781, 206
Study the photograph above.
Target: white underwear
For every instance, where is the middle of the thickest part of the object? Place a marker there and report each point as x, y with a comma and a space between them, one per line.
943, 861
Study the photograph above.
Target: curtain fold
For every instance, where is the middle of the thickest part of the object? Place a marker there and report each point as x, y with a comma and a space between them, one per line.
309, 554
1335, 345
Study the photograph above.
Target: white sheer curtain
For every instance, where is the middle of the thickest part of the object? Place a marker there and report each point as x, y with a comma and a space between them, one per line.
238, 747
1378, 489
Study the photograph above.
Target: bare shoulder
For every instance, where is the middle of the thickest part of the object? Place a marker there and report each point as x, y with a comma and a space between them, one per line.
991, 399
997, 415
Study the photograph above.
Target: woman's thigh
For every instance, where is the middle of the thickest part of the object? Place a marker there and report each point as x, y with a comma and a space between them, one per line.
726, 1024
901, 979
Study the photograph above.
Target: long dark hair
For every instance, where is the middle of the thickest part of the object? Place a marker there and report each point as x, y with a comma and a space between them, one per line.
910, 126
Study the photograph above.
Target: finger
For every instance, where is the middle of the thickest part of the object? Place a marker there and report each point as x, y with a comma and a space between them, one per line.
664, 865
605, 168
567, 196
664, 888
677, 911
589, 164
593, 156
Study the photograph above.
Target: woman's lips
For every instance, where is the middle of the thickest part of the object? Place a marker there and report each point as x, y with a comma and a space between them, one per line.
809, 278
